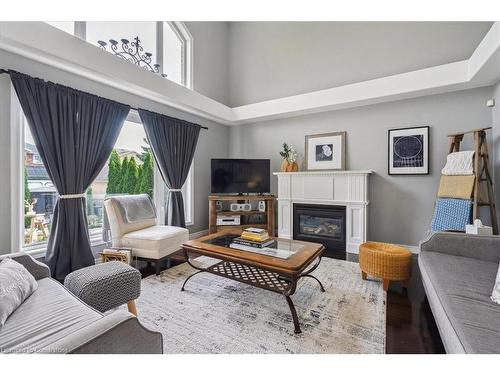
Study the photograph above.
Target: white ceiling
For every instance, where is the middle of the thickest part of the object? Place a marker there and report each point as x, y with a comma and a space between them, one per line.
270, 60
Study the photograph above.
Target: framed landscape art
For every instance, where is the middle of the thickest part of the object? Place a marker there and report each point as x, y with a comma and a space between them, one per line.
408, 151
325, 151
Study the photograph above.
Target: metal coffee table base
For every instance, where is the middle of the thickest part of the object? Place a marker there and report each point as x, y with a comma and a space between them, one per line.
259, 278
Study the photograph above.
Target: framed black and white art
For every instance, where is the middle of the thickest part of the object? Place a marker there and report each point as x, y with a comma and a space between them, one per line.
325, 151
408, 151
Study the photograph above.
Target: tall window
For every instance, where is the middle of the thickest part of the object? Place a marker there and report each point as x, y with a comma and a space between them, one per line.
169, 42
129, 170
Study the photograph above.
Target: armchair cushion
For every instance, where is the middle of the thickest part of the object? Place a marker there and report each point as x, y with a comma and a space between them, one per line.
119, 224
155, 242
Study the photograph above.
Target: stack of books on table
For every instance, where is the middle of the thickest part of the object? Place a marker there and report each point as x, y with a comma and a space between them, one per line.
254, 237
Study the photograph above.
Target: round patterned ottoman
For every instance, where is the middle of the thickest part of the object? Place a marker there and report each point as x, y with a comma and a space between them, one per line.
387, 261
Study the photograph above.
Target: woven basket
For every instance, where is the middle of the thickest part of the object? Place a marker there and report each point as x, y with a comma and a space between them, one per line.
387, 261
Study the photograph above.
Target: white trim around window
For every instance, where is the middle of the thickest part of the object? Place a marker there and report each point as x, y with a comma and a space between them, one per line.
17, 185
16, 172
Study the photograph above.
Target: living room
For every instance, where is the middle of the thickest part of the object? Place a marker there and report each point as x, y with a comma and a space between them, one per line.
247, 185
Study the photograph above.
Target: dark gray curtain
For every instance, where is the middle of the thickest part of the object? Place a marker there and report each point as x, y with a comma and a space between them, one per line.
173, 142
74, 133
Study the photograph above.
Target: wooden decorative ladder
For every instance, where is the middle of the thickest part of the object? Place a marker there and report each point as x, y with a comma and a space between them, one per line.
481, 172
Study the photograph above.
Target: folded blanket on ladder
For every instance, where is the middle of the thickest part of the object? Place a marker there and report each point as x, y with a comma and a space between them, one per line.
459, 163
451, 214
460, 187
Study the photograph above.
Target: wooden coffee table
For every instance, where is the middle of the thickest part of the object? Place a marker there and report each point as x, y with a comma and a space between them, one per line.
278, 271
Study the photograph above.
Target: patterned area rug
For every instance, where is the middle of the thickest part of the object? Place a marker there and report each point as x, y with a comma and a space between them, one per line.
217, 315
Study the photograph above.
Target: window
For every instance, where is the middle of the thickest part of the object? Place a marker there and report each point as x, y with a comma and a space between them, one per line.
39, 194
130, 170
169, 42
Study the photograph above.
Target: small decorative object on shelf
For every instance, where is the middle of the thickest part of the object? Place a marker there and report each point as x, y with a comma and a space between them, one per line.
289, 156
134, 53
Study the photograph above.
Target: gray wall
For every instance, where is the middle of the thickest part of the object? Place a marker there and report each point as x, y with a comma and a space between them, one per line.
210, 59
212, 143
269, 60
496, 143
401, 206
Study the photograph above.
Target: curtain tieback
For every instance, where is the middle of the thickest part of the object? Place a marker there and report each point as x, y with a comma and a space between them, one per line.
72, 196
175, 190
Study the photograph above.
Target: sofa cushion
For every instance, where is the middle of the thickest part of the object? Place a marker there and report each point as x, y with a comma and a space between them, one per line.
48, 315
495, 295
16, 284
156, 242
463, 286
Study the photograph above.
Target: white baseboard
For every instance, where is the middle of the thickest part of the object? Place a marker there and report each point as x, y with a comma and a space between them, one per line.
199, 234
413, 249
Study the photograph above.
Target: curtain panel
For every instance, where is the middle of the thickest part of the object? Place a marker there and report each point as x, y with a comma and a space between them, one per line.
173, 142
74, 133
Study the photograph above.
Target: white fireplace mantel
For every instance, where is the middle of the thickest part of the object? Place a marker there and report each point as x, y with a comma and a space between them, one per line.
339, 188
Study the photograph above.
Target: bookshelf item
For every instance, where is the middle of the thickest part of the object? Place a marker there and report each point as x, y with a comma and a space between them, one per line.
255, 234
257, 244
267, 214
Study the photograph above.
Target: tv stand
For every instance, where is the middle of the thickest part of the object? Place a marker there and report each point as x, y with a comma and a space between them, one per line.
268, 213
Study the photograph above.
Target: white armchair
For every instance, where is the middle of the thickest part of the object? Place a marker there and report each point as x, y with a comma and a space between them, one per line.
133, 224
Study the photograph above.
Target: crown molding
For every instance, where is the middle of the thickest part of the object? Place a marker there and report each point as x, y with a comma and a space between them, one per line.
67, 53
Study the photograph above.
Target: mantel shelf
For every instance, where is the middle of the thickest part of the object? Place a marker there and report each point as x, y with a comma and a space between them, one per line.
308, 173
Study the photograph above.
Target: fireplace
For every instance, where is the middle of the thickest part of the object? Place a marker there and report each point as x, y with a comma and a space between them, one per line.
325, 224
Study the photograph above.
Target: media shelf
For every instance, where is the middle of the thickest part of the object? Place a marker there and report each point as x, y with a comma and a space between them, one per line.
268, 213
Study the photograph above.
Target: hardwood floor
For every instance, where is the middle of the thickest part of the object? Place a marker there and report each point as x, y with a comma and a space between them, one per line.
410, 326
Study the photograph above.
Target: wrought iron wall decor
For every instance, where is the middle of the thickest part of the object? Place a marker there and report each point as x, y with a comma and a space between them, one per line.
132, 52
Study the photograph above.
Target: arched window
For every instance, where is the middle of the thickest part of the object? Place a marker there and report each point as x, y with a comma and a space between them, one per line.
170, 42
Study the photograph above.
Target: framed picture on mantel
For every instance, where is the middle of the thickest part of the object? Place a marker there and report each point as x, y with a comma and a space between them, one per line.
408, 151
325, 152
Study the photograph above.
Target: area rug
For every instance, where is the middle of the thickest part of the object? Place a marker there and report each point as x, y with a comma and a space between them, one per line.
217, 315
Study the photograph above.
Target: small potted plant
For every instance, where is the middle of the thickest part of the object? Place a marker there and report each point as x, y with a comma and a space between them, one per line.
289, 156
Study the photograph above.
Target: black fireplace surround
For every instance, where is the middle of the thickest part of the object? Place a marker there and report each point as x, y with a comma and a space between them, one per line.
321, 223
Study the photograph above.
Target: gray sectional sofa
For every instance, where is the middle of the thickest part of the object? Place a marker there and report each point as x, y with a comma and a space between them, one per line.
458, 273
52, 320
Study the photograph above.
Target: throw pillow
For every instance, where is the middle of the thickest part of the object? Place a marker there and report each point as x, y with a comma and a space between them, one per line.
495, 295
16, 284
459, 163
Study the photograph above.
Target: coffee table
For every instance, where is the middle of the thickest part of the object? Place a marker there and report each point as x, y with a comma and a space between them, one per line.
278, 270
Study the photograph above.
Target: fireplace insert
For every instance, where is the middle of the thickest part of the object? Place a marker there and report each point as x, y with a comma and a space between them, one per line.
321, 223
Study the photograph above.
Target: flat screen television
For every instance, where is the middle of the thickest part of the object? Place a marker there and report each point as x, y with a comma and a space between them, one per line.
230, 176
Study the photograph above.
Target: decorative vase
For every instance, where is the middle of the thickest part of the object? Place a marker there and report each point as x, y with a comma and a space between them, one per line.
286, 166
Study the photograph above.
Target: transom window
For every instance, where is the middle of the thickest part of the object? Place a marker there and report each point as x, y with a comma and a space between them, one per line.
169, 42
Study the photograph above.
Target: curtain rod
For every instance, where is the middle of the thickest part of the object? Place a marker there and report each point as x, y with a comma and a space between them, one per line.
3, 71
